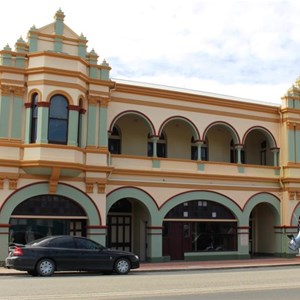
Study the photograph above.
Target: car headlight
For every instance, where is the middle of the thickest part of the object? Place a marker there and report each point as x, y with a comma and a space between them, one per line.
136, 257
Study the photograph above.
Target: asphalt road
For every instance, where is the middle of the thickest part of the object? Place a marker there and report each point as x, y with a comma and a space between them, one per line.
259, 283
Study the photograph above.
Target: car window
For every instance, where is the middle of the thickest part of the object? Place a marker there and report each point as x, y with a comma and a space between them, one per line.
62, 242
86, 244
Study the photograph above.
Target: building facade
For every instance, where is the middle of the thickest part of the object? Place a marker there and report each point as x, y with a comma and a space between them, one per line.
169, 174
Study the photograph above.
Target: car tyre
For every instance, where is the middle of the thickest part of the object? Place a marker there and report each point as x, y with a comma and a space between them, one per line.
122, 266
45, 267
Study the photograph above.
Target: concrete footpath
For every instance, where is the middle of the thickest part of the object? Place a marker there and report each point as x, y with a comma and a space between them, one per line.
201, 265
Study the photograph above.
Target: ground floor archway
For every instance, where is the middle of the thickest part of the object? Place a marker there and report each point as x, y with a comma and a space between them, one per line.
127, 221
46, 215
262, 239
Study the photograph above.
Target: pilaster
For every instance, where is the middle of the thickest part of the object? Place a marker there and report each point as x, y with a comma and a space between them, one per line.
73, 125
42, 126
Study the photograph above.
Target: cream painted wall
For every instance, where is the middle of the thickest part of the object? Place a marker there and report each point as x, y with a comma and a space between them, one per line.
134, 135
219, 144
178, 135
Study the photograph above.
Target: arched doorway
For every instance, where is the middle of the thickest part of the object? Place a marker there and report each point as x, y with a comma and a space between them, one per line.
262, 234
127, 221
44, 215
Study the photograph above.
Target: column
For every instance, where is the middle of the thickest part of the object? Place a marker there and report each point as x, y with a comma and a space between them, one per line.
27, 122
154, 140
16, 123
91, 123
103, 137
199, 147
42, 126
238, 149
32, 38
4, 111
275, 152
73, 125
154, 241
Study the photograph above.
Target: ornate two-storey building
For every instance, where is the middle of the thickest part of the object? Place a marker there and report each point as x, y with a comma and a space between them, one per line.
169, 174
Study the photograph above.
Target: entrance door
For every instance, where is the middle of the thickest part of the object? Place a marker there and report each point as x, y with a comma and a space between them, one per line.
119, 232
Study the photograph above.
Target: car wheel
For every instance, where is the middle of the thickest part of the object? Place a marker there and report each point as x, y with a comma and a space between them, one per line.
45, 267
122, 266
32, 273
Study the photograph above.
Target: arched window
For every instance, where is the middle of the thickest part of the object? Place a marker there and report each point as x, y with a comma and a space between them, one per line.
34, 117
114, 142
44, 215
58, 120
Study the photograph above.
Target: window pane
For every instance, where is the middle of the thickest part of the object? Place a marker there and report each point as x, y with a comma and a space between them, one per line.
57, 131
58, 107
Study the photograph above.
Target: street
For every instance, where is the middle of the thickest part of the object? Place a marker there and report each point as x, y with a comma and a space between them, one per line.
256, 283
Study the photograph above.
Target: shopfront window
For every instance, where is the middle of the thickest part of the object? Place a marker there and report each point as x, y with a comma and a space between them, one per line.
199, 226
46, 215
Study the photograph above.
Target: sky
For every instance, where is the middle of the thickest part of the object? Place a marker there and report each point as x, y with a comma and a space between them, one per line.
246, 49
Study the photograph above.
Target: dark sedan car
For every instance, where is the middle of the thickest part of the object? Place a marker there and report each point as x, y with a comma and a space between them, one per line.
68, 253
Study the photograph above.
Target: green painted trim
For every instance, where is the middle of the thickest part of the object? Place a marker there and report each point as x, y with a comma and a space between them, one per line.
297, 146
82, 50
33, 43
27, 125
155, 163
140, 195
218, 255
4, 116
91, 130
59, 27
16, 130
58, 45
262, 198
42, 126
41, 189
291, 146
104, 74
73, 127
201, 166
205, 195
93, 73
20, 62
103, 137
158, 259
6, 59
241, 169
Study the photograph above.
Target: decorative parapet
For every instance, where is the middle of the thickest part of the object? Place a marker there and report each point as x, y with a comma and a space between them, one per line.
17, 58
292, 97
97, 71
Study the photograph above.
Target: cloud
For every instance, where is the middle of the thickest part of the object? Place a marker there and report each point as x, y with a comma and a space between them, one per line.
242, 48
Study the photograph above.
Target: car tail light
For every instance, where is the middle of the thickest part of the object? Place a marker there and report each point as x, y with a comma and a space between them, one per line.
17, 251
